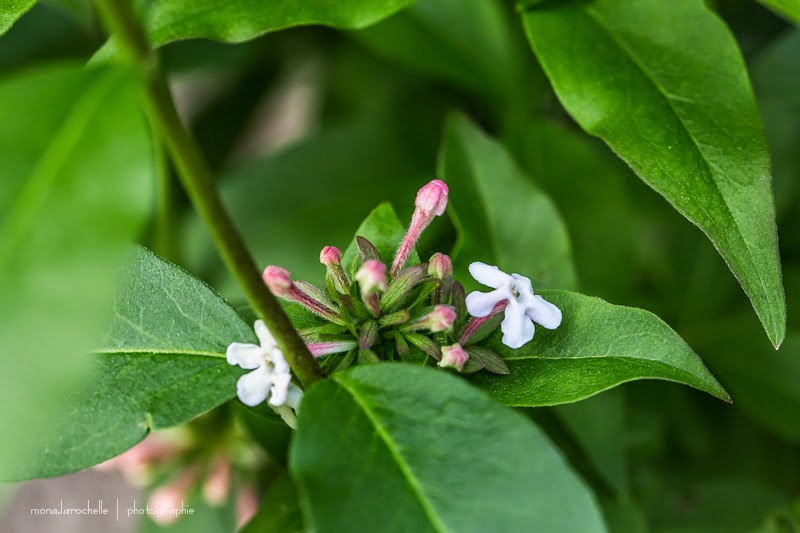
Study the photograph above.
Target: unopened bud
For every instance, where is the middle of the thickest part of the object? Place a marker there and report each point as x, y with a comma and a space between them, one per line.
432, 198
440, 266
169, 499
279, 280
453, 356
441, 318
330, 256
371, 277
216, 486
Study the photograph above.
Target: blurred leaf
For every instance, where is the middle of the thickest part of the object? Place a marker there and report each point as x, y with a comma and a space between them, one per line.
466, 42
392, 447
598, 424
686, 123
597, 346
162, 363
11, 11
291, 204
76, 186
590, 189
279, 511
763, 382
790, 9
383, 229
784, 520
267, 428
500, 215
776, 79
721, 506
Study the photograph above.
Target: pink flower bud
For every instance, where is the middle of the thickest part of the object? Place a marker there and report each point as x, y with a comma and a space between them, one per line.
453, 356
168, 500
372, 277
330, 256
441, 318
246, 504
440, 266
279, 280
432, 198
216, 486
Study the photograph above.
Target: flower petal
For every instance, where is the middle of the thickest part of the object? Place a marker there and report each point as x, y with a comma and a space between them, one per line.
294, 397
263, 334
247, 356
480, 304
516, 326
280, 389
279, 362
489, 275
523, 286
253, 387
543, 312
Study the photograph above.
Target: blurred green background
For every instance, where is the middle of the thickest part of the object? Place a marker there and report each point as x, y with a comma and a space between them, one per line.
308, 129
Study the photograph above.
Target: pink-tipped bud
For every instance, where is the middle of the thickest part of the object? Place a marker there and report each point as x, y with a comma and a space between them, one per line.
453, 356
318, 349
330, 256
279, 280
216, 486
432, 198
440, 266
246, 504
371, 277
167, 502
441, 318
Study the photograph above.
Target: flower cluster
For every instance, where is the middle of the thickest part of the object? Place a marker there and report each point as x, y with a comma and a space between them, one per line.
199, 457
370, 312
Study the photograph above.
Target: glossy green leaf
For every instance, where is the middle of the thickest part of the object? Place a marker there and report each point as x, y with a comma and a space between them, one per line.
686, 123
789, 9
466, 42
393, 447
279, 511
76, 186
597, 346
501, 217
235, 21
11, 11
162, 363
383, 229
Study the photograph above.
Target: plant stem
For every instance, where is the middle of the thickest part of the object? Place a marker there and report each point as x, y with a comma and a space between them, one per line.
197, 180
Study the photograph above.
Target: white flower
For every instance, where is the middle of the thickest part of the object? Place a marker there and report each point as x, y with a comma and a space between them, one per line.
523, 309
270, 377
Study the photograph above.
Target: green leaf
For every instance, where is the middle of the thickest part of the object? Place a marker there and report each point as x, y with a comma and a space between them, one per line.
279, 511
597, 346
235, 21
267, 428
789, 9
162, 363
383, 229
686, 123
76, 186
466, 42
11, 11
501, 216
393, 447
